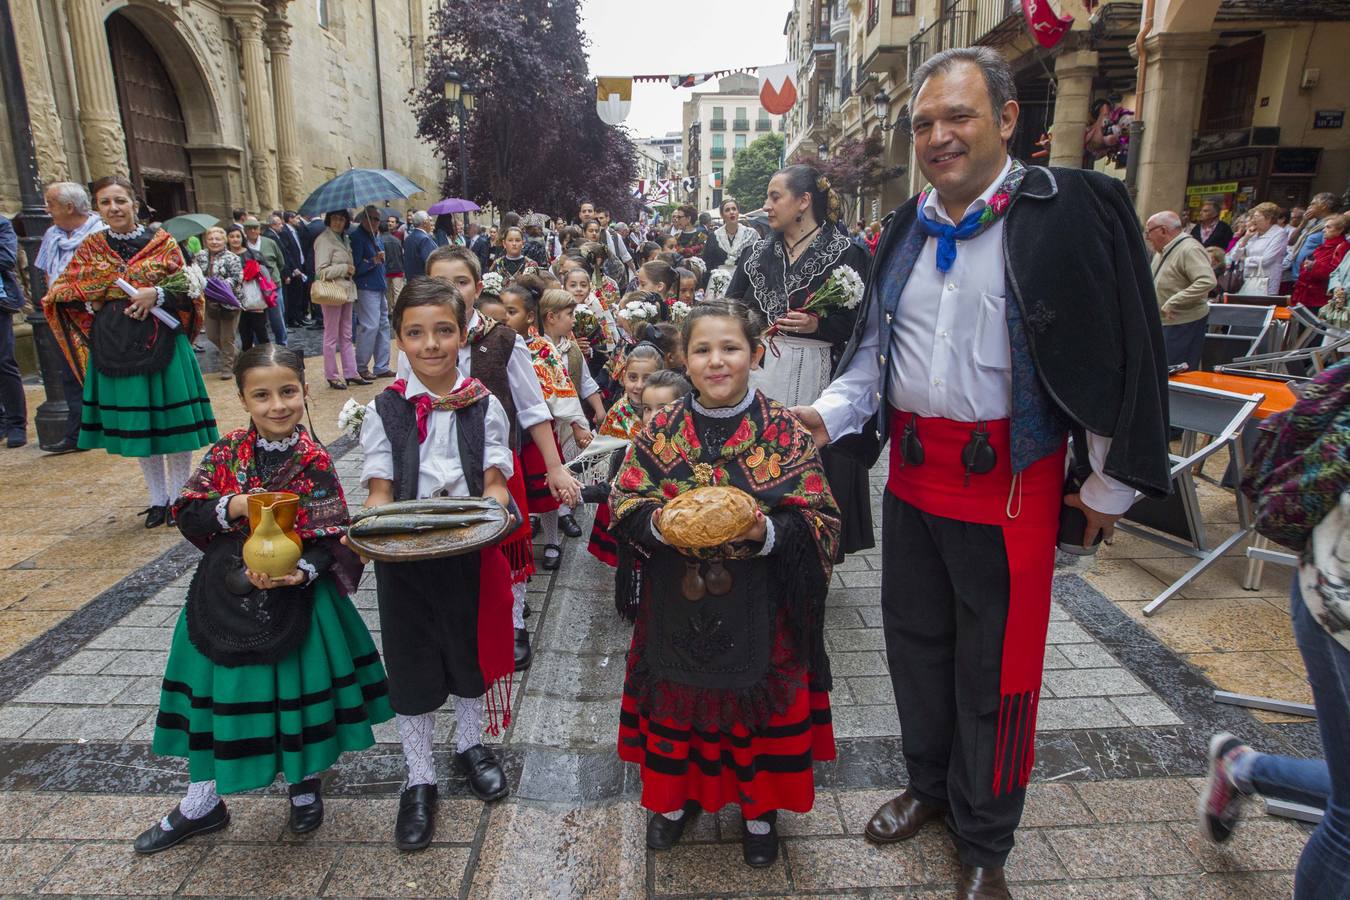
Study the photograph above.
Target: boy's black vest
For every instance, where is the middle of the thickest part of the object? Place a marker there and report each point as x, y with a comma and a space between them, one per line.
399, 418
490, 356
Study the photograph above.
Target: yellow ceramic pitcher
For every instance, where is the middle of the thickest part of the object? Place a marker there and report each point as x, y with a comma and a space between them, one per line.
273, 548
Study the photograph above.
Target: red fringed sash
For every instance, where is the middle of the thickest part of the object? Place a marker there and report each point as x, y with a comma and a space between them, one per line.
1027, 511
496, 637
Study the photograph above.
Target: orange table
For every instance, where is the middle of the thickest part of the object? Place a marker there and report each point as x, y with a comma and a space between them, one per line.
1278, 397
1282, 314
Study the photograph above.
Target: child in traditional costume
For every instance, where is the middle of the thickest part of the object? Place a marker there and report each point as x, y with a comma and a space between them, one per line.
143, 392
514, 262
726, 695
446, 622
533, 310
622, 421
265, 675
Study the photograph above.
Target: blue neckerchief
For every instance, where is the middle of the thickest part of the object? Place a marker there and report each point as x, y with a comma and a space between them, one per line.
948, 235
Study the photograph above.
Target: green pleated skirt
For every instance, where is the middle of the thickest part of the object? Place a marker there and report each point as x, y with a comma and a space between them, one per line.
243, 725
167, 411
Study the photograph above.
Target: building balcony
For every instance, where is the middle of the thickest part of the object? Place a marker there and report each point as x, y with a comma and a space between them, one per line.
764, 125
718, 152
839, 23
740, 125
717, 124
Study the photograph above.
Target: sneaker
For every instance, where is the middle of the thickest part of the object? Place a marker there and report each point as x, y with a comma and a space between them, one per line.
1221, 799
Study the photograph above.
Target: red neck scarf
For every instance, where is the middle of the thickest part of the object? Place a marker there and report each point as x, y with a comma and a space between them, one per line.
467, 394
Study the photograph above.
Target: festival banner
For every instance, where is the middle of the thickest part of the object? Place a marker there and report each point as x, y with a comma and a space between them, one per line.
777, 88
1046, 26
613, 98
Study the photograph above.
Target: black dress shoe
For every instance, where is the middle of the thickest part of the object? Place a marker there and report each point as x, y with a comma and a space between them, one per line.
982, 883
16, 438
569, 526
524, 655
309, 817
528, 612
385, 373
554, 559
761, 850
65, 445
485, 775
156, 516
663, 833
416, 821
155, 838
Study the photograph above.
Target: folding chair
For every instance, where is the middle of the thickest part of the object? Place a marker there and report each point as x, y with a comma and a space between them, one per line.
1302, 363
1176, 522
1235, 331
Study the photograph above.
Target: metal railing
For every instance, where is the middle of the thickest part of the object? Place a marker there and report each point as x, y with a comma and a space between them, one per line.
717, 124
718, 152
740, 125
763, 124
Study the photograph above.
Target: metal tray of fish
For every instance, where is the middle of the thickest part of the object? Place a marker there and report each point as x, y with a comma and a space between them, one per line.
414, 530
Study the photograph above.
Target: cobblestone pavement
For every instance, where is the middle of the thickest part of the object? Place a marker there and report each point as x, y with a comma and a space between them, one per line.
1109, 814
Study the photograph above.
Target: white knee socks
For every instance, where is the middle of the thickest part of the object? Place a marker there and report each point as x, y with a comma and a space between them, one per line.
201, 799
550, 522
180, 468
152, 467
518, 605
415, 734
468, 722
304, 799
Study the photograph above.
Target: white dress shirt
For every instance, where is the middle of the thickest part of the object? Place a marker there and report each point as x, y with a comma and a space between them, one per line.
440, 468
526, 394
949, 349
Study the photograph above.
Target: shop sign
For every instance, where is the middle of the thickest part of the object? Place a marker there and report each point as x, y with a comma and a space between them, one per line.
1238, 167
1296, 161
1329, 118
1225, 187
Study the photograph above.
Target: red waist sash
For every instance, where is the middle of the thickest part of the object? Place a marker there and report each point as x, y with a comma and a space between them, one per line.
1026, 508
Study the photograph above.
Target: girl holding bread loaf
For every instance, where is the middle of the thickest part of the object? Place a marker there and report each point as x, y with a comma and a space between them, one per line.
726, 692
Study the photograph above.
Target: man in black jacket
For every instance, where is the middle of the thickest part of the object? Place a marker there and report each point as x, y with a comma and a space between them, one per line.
1211, 231
293, 262
1006, 307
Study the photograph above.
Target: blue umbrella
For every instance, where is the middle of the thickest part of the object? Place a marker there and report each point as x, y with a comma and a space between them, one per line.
355, 188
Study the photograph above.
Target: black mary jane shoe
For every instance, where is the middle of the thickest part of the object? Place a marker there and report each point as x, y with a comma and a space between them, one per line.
554, 559
524, 655
306, 818
528, 612
761, 850
569, 526
485, 775
416, 821
663, 833
155, 838
156, 516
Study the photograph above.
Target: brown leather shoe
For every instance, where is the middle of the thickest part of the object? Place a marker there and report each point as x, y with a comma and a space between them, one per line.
900, 819
982, 883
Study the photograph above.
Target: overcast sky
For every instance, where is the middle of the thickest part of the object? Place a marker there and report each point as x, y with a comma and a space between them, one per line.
642, 38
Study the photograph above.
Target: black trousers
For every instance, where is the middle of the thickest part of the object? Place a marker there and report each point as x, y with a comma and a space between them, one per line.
429, 629
1185, 343
297, 301
13, 404
252, 328
944, 605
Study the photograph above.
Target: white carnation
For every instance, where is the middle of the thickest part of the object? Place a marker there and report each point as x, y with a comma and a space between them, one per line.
351, 416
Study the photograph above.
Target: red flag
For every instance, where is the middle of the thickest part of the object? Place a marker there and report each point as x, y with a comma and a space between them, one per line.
1046, 26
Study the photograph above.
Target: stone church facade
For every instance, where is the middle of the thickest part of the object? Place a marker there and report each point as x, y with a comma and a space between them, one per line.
210, 105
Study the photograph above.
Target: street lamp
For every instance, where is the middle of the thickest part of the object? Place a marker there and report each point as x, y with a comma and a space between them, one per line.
882, 104
462, 98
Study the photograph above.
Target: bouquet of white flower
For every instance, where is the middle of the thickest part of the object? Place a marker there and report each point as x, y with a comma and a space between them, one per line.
352, 415
679, 310
492, 284
718, 282
842, 290
639, 311
187, 280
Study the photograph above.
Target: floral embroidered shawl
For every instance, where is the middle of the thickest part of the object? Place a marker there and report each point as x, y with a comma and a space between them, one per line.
91, 278
622, 421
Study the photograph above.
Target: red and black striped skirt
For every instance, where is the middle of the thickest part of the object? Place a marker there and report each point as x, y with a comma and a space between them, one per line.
518, 547
768, 769
602, 545
537, 494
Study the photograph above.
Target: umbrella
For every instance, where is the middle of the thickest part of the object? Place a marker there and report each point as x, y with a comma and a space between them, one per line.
184, 227
355, 188
452, 205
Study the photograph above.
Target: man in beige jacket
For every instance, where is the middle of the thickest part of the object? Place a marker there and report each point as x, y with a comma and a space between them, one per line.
1182, 279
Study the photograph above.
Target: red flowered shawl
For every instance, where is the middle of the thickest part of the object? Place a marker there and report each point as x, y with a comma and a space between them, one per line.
771, 457
228, 468
91, 277
622, 421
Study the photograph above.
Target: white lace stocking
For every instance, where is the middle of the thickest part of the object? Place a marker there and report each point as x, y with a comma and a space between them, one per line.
415, 733
468, 722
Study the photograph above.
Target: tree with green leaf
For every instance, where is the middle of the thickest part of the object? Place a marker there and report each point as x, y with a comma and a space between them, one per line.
752, 169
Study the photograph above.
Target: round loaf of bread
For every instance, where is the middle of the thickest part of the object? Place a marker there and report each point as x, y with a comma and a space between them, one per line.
707, 517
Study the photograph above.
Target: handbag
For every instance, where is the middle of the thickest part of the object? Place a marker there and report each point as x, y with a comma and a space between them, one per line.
330, 292
1302, 461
